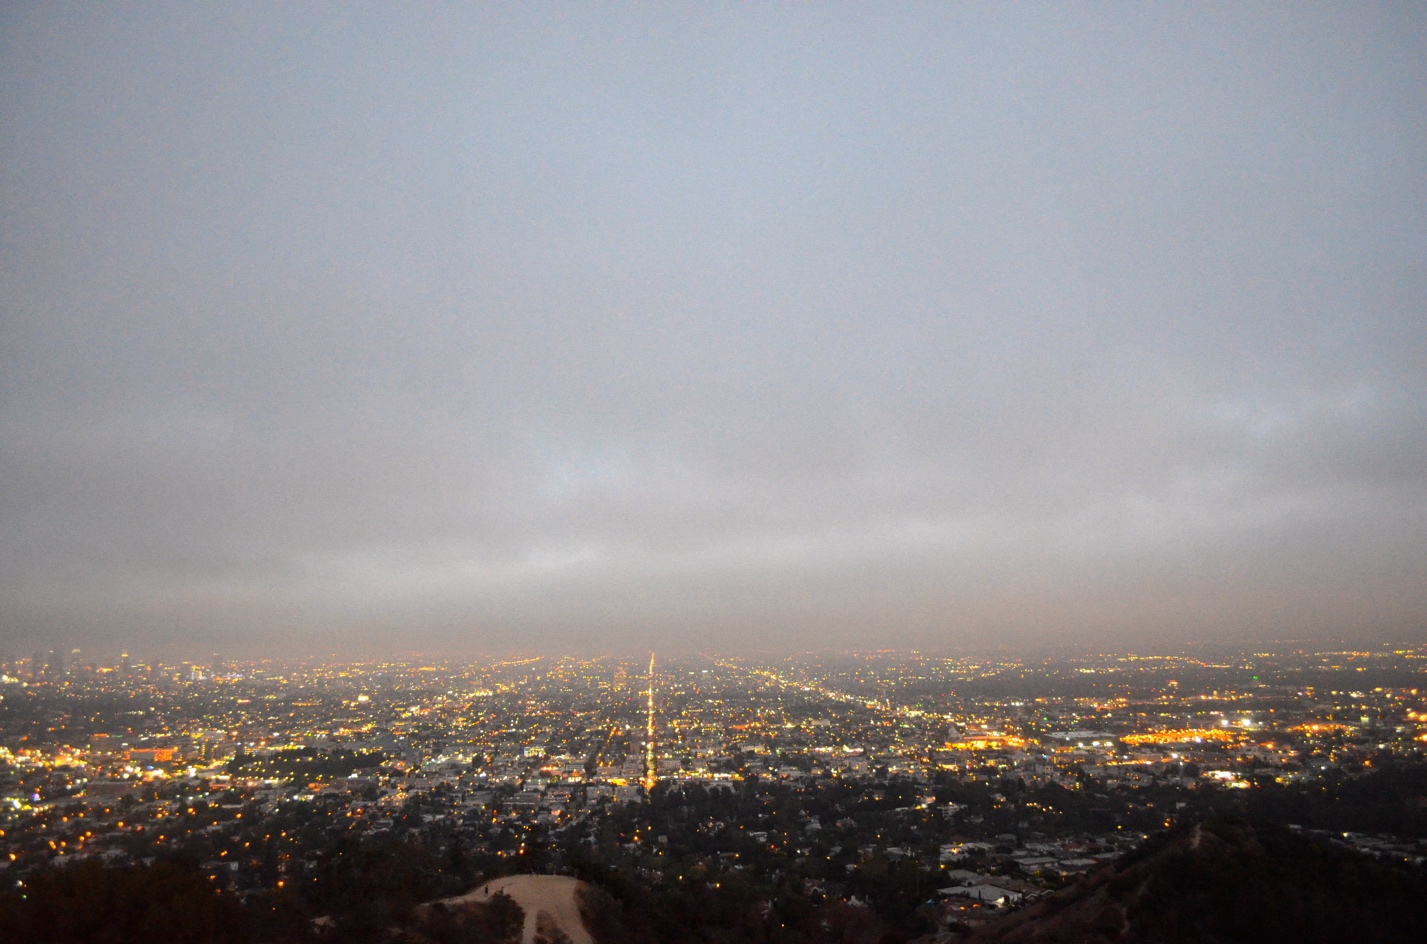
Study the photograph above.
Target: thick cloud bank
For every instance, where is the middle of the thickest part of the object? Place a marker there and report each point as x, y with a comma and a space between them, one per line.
340, 330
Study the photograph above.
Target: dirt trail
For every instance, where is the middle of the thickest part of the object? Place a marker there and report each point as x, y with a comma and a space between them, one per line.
555, 895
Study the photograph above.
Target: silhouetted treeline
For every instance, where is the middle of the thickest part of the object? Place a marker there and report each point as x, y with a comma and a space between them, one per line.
306, 764
89, 904
1391, 800
888, 903
498, 920
363, 893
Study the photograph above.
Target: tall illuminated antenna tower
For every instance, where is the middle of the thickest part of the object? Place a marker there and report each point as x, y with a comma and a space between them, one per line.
651, 769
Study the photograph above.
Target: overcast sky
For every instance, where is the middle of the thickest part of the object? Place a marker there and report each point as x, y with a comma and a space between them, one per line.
378, 328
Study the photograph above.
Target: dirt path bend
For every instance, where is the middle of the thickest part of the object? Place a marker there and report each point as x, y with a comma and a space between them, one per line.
555, 895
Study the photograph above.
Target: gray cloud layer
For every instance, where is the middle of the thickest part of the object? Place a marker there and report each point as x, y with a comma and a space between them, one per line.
572, 328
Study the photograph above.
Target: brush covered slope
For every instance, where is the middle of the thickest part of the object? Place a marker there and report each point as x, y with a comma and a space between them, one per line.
1227, 880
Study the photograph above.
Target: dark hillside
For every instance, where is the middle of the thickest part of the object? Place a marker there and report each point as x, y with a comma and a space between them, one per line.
1226, 880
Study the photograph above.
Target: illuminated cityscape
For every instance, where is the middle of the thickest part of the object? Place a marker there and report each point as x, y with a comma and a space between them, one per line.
995, 774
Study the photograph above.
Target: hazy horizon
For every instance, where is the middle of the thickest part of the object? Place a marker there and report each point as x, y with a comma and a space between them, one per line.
579, 328
678, 659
